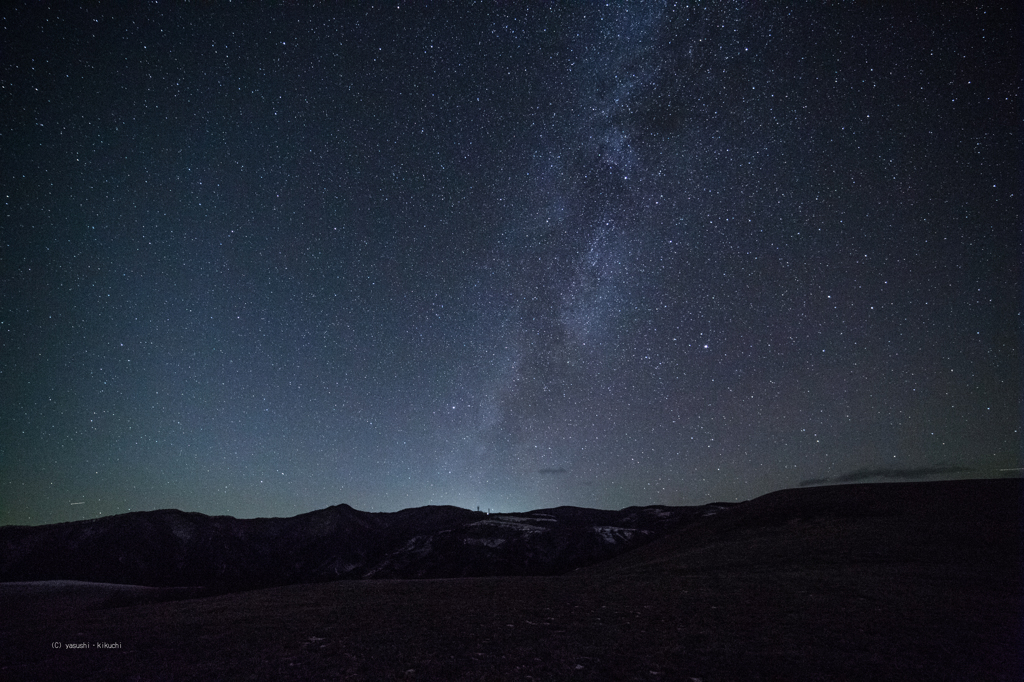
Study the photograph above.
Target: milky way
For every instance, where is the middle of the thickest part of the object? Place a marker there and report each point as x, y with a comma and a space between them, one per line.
258, 262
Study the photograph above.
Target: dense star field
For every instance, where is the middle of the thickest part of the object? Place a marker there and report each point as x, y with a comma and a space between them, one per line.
261, 261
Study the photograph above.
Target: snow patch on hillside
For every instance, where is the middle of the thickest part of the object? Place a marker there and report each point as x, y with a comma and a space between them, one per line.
516, 525
615, 535
712, 509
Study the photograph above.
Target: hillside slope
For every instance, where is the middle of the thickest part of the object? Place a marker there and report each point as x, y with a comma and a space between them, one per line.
970, 522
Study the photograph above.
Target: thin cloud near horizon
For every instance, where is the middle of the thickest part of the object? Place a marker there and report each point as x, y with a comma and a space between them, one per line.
887, 473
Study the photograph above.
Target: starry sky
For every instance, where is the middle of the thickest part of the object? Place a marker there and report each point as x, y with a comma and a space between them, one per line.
258, 261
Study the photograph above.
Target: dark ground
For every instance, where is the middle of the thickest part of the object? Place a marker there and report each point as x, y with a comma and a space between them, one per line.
884, 582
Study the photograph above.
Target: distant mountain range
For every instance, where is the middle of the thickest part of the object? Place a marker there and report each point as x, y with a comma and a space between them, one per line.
938, 522
174, 548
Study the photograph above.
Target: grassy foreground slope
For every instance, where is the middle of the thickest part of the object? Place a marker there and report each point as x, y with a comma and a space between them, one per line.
879, 582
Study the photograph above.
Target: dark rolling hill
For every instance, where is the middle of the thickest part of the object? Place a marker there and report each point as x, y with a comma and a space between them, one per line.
952, 523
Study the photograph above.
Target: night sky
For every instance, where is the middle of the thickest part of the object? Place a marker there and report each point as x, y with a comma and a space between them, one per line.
511, 255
